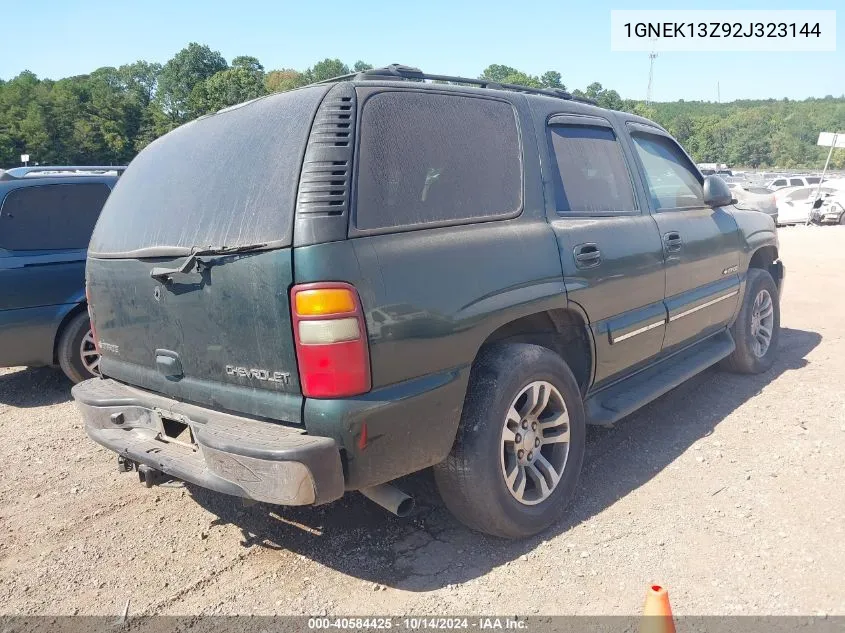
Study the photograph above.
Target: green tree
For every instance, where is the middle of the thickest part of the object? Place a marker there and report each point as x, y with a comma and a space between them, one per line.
552, 79
228, 87
326, 69
248, 63
285, 79
361, 66
185, 71
523, 79
509, 75
498, 73
140, 79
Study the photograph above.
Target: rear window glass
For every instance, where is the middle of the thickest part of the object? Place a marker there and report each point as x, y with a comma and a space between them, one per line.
591, 175
229, 179
51, 217
428, 158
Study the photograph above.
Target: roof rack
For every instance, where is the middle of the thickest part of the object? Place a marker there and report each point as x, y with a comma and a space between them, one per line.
409, 73
64, 170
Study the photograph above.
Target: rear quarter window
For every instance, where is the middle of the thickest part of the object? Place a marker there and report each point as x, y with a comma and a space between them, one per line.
51, 217
591, 174
432, 158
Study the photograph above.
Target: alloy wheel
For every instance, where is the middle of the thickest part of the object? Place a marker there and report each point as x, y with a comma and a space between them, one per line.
535, 443
762, 323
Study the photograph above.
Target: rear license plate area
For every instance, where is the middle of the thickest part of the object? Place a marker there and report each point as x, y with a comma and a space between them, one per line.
176, 432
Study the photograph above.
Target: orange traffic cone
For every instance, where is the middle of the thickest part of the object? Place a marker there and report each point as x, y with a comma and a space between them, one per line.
657, 614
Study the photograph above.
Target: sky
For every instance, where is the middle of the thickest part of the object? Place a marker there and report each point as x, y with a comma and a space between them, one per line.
55, 39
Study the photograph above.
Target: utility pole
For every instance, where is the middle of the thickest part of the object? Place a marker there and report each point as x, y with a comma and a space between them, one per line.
718, 93
651, 57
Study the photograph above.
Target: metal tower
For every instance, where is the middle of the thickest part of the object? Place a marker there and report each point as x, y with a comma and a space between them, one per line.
651, 57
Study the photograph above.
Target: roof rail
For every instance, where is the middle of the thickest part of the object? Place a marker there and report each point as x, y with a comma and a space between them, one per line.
409, 73
21, 172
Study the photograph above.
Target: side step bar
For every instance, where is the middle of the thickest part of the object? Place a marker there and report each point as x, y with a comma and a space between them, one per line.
616, 401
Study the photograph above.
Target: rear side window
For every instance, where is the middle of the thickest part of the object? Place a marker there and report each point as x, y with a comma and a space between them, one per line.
671, 178
796, 182
426, 158
813, 180
51, 217
591, 175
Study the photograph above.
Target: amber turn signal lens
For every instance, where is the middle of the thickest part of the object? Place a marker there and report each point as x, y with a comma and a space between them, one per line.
323, 301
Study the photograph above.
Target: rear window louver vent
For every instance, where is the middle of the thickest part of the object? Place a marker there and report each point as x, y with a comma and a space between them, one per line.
324, 186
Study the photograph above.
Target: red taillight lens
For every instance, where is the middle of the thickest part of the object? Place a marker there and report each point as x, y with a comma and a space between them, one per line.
91, 320
331, 340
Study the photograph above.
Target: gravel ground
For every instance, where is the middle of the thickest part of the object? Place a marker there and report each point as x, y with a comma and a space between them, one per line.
730, 491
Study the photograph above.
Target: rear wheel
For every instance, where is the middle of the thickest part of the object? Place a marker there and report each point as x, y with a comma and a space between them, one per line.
78, 356
519, 449
757, 328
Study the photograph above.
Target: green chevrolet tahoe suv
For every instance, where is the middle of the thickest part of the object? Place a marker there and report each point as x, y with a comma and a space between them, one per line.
323, 290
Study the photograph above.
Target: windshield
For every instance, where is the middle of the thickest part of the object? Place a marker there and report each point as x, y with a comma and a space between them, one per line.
226, 180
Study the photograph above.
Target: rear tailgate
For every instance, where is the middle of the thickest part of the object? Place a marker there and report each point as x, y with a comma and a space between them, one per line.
227, 331
218, 335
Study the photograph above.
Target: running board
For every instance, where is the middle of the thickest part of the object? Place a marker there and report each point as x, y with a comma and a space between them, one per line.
623, 398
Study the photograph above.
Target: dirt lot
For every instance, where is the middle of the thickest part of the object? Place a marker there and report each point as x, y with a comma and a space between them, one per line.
730, 491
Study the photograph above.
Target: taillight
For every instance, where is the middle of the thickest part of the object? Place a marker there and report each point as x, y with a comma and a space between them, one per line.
331, 340
91, 320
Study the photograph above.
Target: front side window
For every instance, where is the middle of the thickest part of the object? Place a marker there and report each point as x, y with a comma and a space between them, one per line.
779, 183
428, 158
671, 179
51, 217
591, 175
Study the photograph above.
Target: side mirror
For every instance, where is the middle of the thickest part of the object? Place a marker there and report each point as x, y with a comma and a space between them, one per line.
716, 192
818, 203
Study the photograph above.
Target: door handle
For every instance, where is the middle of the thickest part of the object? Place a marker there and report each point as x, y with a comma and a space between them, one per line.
672, 241
587, 255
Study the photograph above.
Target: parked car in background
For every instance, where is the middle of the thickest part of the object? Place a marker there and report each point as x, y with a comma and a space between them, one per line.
794, 204
754, 198
831, 209
792, 181
47, 215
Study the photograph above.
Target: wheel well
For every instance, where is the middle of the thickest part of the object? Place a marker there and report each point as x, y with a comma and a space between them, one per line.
82, 307
764, 259
562, 331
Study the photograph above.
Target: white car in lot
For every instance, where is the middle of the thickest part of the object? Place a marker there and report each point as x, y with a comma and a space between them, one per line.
796, 204
831, 210
792, 181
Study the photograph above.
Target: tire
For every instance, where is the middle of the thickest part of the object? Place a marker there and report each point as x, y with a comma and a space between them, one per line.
69, 349
472, 481
746, 358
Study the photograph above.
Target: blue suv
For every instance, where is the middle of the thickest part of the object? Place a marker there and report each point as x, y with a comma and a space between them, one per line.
47, 215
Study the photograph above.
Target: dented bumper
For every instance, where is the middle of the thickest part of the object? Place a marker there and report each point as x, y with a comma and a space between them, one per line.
239, 456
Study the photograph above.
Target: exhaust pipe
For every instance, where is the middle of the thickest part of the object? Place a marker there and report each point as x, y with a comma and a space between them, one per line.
390, 498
